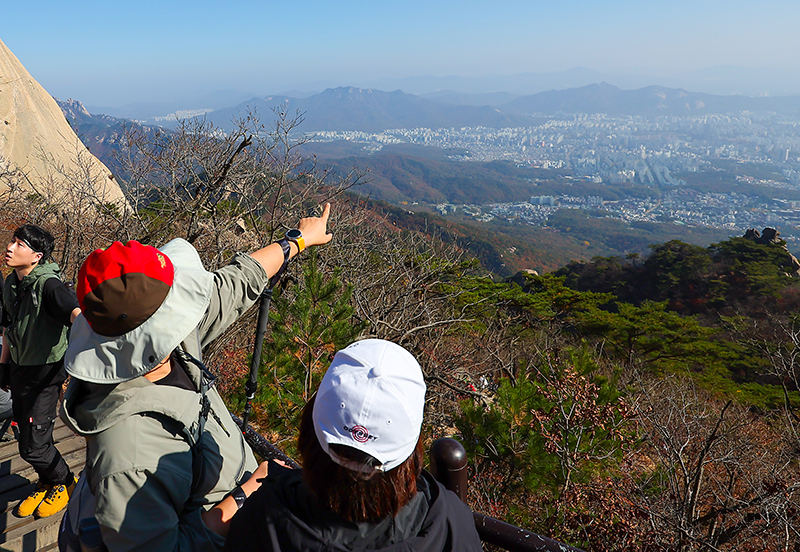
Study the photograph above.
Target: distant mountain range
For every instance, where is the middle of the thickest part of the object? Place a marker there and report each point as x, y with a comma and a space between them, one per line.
370, 110
648, 101
722, 80
498, 89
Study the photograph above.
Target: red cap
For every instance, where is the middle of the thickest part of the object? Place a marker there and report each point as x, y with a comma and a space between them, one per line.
122, 286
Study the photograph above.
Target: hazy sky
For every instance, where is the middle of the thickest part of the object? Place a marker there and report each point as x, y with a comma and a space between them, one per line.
112, 53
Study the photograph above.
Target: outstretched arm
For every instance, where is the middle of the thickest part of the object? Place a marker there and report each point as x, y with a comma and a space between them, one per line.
315, 232
239, 285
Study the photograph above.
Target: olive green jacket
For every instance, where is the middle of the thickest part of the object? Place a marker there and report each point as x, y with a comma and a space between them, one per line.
34, 337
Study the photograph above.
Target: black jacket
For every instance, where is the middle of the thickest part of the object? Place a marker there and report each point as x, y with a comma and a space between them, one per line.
282, 516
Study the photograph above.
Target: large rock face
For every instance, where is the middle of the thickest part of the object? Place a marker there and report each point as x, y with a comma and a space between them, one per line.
36, 139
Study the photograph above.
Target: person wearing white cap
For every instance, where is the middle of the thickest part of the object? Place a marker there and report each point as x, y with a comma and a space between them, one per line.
362, 486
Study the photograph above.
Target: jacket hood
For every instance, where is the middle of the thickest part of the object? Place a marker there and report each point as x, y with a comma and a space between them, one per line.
90, 408
45, 270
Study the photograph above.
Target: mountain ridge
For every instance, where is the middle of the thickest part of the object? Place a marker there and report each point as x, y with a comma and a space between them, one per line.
371, 110
651, 100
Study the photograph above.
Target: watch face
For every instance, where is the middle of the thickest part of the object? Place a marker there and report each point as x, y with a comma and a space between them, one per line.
239, 496
294, 234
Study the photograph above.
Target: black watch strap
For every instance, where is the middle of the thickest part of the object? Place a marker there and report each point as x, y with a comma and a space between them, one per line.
284, 243
239, 496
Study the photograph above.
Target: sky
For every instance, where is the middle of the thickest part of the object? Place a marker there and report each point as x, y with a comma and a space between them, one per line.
108, 53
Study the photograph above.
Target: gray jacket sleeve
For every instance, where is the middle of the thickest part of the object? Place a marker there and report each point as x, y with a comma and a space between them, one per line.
237, 287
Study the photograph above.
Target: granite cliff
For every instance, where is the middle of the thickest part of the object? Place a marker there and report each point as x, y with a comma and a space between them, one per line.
38, 148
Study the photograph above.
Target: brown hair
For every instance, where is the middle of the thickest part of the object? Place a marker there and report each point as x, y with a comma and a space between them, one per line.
349, 494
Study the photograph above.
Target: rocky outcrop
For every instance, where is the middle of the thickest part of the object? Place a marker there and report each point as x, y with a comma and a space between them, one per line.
520, 278
771, 235
73, 108
38, 148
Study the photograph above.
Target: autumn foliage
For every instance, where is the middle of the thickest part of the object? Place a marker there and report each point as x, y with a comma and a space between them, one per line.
623, 404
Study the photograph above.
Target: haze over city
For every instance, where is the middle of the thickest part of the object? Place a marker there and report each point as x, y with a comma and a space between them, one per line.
112, 54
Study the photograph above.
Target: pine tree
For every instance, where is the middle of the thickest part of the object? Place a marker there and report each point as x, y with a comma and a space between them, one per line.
308, 324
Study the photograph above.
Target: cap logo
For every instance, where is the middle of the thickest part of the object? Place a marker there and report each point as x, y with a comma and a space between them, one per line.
162, 260
360, 433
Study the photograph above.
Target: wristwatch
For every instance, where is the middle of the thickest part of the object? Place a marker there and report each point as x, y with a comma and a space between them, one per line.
296, 236
239, 496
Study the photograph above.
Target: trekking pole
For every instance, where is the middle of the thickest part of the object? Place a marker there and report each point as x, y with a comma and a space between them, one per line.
251, 386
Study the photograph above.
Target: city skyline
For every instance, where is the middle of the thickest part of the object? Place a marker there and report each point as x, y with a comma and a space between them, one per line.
110, 54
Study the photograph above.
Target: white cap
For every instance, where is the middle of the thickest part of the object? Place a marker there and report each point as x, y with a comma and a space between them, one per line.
371, 399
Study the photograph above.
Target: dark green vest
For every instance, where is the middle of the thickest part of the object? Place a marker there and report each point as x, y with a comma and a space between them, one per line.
35, 337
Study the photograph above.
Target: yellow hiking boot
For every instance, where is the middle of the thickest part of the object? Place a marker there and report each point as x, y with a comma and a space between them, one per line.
56, 499
29, 505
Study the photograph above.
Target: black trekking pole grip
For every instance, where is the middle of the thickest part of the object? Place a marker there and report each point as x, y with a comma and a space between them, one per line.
251, 386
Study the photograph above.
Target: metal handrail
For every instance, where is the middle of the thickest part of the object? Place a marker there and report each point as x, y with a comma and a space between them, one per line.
449, 466
515, 539
261, 446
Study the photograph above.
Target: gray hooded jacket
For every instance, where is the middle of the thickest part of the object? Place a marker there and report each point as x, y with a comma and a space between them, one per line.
139, 462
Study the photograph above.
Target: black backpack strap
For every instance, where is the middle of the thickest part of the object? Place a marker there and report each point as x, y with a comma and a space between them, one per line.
195, 442
193, 438
207, 382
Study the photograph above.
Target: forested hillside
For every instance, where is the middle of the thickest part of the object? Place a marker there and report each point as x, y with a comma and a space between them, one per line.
505, 248
608, 423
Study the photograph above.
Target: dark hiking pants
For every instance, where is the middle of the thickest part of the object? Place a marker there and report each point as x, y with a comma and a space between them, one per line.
34, 393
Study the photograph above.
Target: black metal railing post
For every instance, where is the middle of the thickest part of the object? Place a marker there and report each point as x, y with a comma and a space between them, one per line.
449, 465
448, 460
